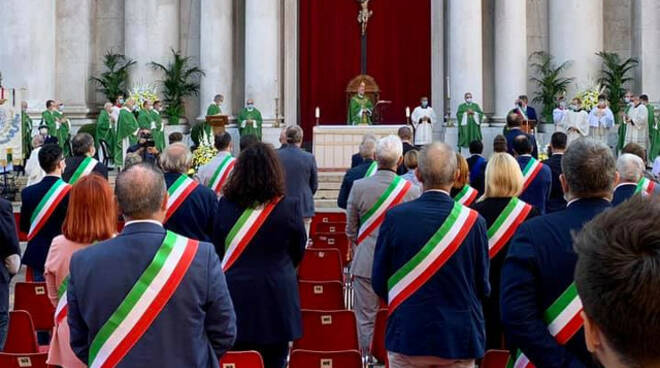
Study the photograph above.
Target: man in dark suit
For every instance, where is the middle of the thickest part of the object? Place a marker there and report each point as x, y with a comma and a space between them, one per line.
357, 158
556, 201
52, 162
524, 110
48, 139
477, 165
513, 122
10, 262
194, 217
82, 146
367, 152
631, 170
537, 191
540, 265
300, 172
406, 136
197, 324
441, 322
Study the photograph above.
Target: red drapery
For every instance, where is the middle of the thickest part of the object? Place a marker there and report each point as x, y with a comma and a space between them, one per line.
399, 56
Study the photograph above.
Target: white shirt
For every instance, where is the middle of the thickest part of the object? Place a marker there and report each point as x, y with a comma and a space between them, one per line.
143, 221
33, 170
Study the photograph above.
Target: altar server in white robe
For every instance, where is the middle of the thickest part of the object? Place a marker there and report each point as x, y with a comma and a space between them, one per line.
576, 123
423, 118
637, 120
559, 113
601, 119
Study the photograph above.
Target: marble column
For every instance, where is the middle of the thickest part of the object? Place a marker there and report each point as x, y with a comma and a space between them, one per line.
465, 51
216, 53
576, 34
510, 54
646, 46
262, 55
290, 97
437, 65
27, 49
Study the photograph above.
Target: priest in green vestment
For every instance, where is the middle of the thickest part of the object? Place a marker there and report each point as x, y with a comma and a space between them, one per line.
654, 135
203, 132
360, 108
144, 118
26, 130
621, 139
469, 117
48, 118
63, 130
127, 128
105, 130
249, 120
158, 131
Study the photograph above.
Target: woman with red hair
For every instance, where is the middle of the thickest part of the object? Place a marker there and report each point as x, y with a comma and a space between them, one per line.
91, 217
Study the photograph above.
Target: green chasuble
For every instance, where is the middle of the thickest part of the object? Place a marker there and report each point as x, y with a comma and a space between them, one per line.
127, 127
27, 134
105, 132
63, 133
355, 108
213, 109
48, 119
468, 125
621, 141
144, 119
244, 128
158, 132
654, 134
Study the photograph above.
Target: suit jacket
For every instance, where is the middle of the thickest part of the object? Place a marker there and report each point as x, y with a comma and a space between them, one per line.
262, 281
194, 329
511, 135
50, 140
301, 176
72, 164
351, 175
531, 114
538, 268
364, 195
356, 160
538, 191
8, 246
623, 192
477, 165
443, 317
37, 248
556, 201
194, 218
406, 147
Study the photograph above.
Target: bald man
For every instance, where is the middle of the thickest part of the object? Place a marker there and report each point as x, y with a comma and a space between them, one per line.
250, 120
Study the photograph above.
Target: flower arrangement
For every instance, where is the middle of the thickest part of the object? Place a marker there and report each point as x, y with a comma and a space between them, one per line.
589, 97
143, 92
202, 155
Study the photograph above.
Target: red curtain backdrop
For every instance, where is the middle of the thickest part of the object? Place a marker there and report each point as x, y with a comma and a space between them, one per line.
399, 56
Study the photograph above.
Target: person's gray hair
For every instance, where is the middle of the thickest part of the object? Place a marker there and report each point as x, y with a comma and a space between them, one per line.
368, 148
437, 165
630, 168
82, 143
140, 191
368, 137
294, 134
589, 169
37, 141
176, 158
388, 151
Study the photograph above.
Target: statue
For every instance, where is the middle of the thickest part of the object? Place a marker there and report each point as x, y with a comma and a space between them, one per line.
364, 14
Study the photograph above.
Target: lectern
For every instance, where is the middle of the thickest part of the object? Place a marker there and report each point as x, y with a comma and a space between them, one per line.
218, 122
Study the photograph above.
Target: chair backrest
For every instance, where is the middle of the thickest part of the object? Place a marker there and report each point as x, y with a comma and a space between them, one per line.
338, 241
321, 217
321, 295
21, 337
377, 348
325, 359
242, 359
321, 265
495, 359
330, 227
328, 331
33, 360
33, 298
22, 236
104, 151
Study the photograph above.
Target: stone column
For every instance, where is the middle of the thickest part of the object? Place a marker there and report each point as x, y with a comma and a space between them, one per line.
262, 54
290, 97
646, 46
216, 53
437, 66
510, 54
465, 51
576, 34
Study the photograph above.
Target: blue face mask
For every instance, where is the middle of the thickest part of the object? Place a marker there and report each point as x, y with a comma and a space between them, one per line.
121, 101
425, 104
249, 106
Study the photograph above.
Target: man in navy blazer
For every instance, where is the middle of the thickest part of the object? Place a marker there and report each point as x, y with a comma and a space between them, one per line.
513, 123
196, 326
541, 261
631, 171
556, 201
477, 165
82, 146
51, 161
10, 262
194, 217
442, 322
538, 191
368, 153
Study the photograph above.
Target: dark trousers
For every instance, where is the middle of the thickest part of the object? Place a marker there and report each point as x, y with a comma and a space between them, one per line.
274, 355
4, 304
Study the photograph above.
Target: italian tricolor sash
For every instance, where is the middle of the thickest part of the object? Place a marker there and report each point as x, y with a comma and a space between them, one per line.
244, 230
392, 196
505, 225
222, 173
530, 171
62, 304
144, 301
466, 196
563, 319
435, 253
46, 206
645, 186
178, 192
85, 168
522, 113
371, 171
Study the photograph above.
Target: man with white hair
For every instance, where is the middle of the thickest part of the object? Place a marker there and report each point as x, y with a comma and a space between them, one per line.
190, 206
366, 168
368, 202
631, 171
105, 130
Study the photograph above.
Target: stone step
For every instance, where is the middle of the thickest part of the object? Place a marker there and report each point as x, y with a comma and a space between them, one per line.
331, 176
332, 185
326, 194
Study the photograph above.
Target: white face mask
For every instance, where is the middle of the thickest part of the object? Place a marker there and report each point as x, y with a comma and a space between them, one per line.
43, 132
468, 100
626, 99
250, 107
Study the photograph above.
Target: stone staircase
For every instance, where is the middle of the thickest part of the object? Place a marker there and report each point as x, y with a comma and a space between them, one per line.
329, 184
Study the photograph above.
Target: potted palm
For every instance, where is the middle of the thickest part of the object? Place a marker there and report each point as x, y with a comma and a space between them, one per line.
550, 83
112, 82
614, 77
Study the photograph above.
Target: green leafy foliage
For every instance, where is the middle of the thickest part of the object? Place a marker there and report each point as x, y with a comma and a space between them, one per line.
112, 82
614, 76
549, 80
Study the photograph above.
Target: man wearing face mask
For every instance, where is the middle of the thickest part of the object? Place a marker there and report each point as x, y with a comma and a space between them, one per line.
521, 108
601, 120
637, 121
249, 120
63, 126
559, 113
119, 102
469, 117
48, 117
423, 118
27, 130
127, 128
360, 107
627, 100
576, 124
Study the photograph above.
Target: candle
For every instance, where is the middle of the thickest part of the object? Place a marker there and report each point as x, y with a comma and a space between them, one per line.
448, 94
317, 112
407, 112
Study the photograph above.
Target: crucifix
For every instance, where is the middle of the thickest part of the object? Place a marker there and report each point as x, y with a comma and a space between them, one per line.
363, 18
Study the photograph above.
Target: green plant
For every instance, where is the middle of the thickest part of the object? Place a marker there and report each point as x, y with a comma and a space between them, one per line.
181, 80
549, 81
613, 77
112, 82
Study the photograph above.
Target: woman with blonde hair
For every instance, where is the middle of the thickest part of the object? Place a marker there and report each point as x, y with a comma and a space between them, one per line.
462, 192
503, 212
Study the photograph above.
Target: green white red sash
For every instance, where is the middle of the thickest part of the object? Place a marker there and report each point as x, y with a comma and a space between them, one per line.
530, 171
371, 171
46, 206
563, 319
144, 301
505, 225
244, 230
522, 113
435, 253
222, 173
178, 192
392, 196
85, 168
62, 304
645, 186
466, 196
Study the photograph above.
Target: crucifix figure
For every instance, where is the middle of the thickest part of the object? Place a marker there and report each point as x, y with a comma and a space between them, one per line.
363, 18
